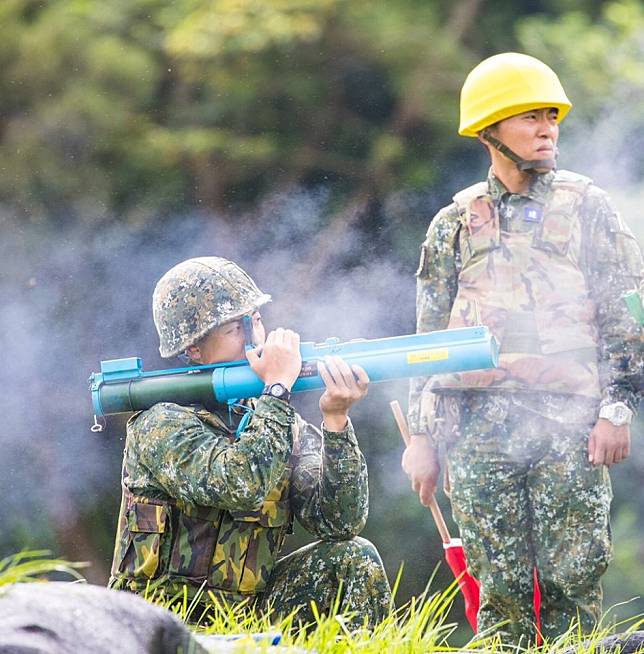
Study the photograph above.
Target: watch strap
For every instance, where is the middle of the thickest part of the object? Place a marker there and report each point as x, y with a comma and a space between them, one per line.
277, 390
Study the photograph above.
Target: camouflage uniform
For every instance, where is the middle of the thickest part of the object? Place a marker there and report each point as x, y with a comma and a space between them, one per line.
546, 272
202, 509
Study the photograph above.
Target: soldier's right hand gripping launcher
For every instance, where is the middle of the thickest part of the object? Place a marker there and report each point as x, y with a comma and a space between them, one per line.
122, 385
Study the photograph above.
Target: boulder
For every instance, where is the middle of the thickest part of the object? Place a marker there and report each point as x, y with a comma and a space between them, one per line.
68, 618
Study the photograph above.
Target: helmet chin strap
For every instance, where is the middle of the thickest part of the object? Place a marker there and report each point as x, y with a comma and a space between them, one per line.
538, 166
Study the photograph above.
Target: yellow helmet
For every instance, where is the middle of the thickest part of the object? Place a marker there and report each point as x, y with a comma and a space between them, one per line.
505, 85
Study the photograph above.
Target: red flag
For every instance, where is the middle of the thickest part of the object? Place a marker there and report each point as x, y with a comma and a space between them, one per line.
455, 557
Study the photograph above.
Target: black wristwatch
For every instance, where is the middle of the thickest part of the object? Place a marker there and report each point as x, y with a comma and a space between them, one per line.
277, 390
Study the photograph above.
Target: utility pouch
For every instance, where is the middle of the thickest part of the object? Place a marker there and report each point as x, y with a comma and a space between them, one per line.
247, 547
140, 543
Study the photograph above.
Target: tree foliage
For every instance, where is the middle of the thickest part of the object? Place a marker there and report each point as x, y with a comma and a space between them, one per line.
135, 108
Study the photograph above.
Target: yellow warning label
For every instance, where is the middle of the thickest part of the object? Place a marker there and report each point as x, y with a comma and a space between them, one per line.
438, 354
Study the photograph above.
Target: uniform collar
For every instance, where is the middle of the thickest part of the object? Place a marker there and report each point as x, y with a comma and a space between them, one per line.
538, 191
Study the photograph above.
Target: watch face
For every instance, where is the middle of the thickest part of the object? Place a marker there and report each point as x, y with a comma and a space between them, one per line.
278, 390
620, 415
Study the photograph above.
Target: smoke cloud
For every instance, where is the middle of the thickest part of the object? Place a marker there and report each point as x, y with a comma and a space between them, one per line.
75, 295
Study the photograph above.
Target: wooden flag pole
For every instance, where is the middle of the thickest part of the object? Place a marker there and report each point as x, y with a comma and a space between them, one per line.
433, 506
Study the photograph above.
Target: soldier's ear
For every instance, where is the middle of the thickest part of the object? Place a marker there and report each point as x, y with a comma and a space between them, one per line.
193, 353
481, 138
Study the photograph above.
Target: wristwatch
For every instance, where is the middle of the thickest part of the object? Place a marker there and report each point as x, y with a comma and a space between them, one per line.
617, 413
277, 390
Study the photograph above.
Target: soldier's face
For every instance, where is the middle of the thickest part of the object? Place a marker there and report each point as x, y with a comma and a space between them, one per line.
532, 135
227, 342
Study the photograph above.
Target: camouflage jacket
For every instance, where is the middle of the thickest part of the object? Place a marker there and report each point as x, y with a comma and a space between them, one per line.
200, 507
608, 258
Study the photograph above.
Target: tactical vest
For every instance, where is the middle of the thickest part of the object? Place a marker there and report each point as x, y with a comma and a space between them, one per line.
172, 544
529, 289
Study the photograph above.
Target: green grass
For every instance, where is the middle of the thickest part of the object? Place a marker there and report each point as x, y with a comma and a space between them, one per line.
36, 565
419, 627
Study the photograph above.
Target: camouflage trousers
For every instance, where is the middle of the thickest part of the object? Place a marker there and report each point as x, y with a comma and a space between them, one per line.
525, 495
349, 572
346, 576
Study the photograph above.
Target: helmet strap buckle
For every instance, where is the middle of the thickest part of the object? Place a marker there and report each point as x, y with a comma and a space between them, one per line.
247, 325
538, 166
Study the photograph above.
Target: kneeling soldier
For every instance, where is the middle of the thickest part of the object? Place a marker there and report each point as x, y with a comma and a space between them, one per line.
209, 496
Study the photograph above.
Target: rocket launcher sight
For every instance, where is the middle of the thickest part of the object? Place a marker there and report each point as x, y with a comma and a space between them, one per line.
122, 385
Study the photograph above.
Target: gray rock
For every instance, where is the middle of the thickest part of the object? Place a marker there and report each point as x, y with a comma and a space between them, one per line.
619, 644
68, 618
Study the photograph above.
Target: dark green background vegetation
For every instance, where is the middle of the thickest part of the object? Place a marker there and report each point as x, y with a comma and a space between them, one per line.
311, 141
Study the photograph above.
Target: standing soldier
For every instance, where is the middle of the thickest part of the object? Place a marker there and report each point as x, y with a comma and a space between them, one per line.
209, 495
540, 256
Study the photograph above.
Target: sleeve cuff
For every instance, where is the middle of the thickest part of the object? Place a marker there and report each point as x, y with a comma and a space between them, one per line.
272, 408
347, 434
612, 394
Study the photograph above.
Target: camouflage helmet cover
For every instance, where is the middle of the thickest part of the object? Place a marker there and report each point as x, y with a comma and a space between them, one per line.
197, 295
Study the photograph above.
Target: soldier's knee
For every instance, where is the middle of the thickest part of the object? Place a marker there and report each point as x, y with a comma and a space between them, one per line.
575, 575
365, 548
356, 546
579, 567
355, 553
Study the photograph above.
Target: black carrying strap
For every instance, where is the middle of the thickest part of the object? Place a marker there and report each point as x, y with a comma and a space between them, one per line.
524, 165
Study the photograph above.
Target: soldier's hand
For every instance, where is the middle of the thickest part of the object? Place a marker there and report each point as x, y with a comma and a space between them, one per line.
609, 444
420, 462
344, 387
279, 359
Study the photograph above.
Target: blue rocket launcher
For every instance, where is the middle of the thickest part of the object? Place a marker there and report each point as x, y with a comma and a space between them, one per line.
122, 385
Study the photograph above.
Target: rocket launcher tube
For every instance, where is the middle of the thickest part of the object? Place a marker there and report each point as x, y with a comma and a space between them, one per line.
123, 386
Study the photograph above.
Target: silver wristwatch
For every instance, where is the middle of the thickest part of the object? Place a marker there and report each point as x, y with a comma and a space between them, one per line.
617, 413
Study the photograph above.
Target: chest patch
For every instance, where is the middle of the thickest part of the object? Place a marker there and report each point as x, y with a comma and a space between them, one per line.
533, 214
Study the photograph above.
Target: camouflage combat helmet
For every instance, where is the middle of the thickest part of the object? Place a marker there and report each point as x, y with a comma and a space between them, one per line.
197, 295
